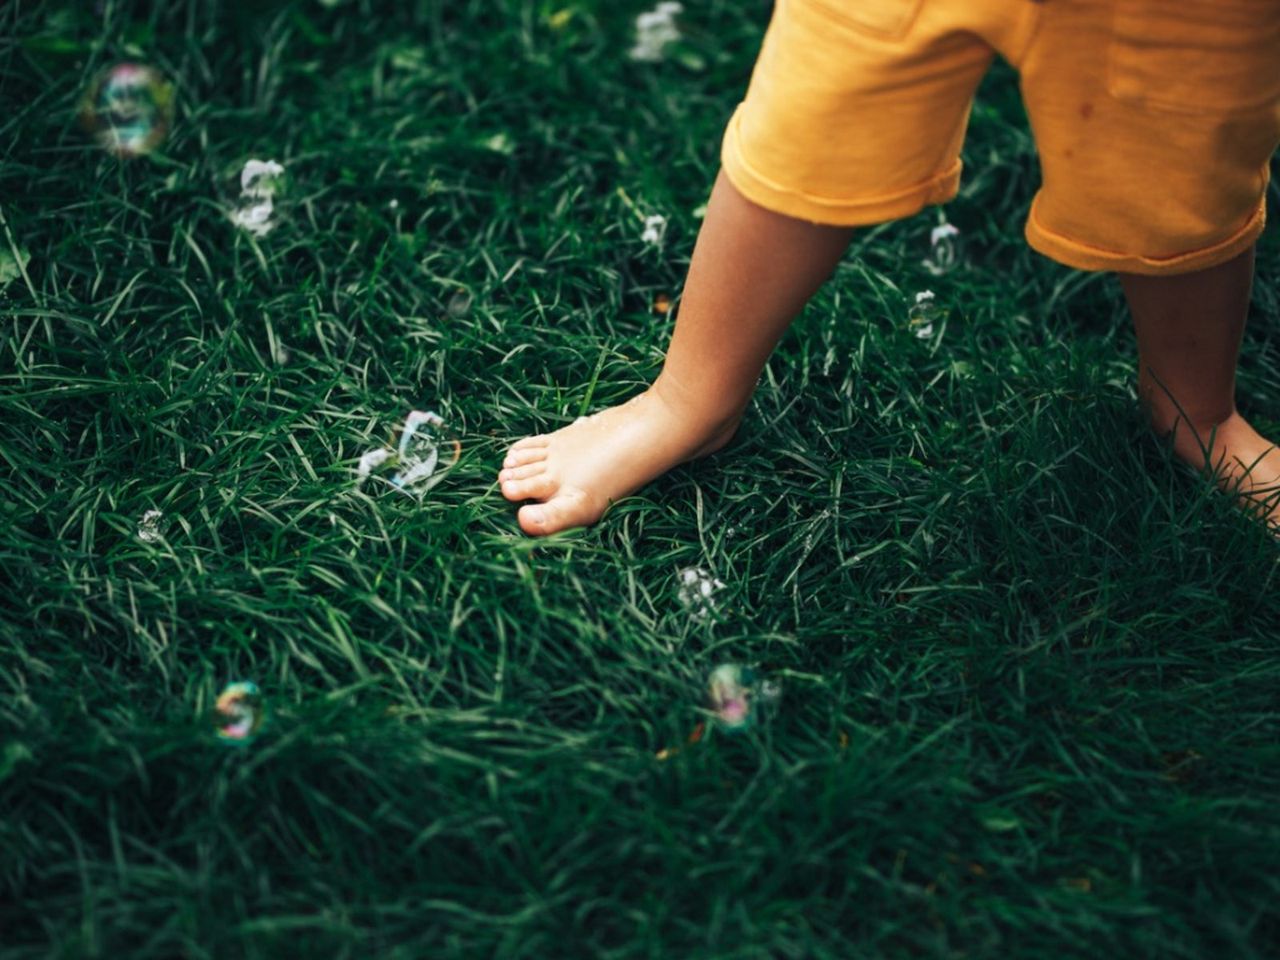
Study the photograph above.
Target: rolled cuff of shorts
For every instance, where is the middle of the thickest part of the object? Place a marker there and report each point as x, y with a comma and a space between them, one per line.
1082, 256
774, 196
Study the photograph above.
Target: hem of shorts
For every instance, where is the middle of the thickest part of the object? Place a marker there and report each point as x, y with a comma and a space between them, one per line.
1082, 256
778, 198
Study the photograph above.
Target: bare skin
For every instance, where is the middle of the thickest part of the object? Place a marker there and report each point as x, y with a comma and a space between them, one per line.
751, 273
752, 270
1189, 330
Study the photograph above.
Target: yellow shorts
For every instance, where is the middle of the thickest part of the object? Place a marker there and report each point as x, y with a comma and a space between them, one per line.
1155, 120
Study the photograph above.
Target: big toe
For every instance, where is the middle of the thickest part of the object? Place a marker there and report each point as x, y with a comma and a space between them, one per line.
569, 508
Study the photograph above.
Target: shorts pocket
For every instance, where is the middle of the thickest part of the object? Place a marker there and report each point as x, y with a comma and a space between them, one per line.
1195, 56
889, 19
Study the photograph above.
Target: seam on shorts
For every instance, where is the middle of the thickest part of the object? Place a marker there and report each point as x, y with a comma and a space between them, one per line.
891, 206
1085, 256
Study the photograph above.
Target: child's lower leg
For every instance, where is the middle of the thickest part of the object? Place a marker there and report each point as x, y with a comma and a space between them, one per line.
751, 272
1189, 330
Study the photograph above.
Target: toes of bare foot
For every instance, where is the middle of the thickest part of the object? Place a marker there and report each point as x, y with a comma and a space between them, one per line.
539, 487
518, 456
523, 472
531, 443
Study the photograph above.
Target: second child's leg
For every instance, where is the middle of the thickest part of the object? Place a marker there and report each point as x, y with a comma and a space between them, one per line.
1189, 330
752, 271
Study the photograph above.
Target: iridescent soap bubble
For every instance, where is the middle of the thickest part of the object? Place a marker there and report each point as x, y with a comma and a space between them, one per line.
239, 713
736, 695
128, 109
416, 459
924, 313
945, 249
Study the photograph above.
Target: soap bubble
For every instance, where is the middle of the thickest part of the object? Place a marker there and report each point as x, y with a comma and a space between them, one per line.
240, 713
260, 180
655, 30
459, 304
945, 249
149, 526
417, 457
419, 452
128, 109
11, 266
736, 695
655, 229
697, 591
924, 313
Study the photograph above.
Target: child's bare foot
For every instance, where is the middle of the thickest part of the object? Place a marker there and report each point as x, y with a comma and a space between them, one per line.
579, 470
1245, 462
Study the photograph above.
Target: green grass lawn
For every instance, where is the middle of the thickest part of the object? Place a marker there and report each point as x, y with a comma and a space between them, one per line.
1030, 666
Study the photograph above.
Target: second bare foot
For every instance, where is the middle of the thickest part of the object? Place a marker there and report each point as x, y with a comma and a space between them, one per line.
1244, 462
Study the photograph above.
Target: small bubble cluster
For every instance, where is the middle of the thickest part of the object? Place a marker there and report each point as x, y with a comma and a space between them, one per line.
239, 713
128, 109
697, 591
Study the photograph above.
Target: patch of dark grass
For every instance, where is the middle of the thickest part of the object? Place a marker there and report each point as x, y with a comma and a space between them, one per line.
1028, 662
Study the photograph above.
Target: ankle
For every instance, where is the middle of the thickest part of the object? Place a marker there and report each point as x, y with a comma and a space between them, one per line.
711, 415
1192, 433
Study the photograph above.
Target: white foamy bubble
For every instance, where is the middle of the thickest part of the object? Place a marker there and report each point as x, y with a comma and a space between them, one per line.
697, 591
